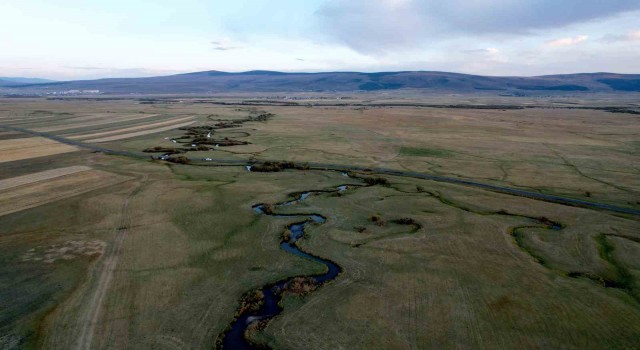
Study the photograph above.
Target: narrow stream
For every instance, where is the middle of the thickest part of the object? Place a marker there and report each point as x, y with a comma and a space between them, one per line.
235, 339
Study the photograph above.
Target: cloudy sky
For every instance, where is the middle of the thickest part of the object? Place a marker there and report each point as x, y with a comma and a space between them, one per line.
83, 39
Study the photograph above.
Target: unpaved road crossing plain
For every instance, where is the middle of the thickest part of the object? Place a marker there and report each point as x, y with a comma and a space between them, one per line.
106, 251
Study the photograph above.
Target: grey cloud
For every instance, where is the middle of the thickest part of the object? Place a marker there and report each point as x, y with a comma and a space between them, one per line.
378, 25
630, 36
224, 45
86, 68
226, 48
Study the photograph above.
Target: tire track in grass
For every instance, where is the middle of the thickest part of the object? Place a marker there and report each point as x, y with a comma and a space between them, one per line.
579, 172
90, 319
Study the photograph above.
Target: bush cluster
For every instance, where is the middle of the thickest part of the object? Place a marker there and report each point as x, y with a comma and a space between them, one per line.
179, 160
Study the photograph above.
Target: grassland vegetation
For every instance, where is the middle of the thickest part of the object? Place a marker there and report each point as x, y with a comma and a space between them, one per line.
424, 152
407, 279
127, 253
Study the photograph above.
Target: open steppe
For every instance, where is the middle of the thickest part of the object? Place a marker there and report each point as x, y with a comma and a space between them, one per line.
105, 245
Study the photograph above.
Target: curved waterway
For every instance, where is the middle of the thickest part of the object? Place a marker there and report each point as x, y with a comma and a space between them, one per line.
234, 338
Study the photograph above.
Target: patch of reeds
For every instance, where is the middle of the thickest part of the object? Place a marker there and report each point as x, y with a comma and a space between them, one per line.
179, 160
379, 221
251, 302
301, 285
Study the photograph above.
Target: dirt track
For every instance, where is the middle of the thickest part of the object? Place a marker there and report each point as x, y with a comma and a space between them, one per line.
89, 320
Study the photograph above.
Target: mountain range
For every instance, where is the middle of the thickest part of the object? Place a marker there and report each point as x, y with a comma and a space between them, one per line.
270, 81
10, 81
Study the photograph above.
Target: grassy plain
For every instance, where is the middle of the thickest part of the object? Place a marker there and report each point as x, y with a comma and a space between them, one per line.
160, 258
583, 154
462, 281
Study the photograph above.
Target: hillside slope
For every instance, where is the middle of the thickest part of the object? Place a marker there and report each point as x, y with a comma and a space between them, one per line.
267, 81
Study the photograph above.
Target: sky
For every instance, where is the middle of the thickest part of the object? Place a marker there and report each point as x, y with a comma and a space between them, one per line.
88, 39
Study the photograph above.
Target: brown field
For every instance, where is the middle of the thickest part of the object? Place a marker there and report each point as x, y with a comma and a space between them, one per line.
30, 191
128, 130
31, 147
5, 135
71, 124
134, 134
40, 176
60, 118
47, 118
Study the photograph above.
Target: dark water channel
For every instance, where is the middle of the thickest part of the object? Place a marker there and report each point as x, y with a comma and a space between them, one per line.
235, 339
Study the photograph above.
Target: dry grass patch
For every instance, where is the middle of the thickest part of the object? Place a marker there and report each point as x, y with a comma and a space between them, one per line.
83, 123
139, 133
29, 195
40, 176
6, 135
166, 125
31, 147
64, 251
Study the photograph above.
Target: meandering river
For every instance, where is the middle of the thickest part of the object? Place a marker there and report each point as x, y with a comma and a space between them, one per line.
235, 337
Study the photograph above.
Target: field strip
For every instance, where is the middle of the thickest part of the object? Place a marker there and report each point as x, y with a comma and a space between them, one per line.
25, 120
31, 147
139, 133
17, 118
117, 120
17, 144
40, 176
6, 135
36, 194
130, 129
55, 120
84, 117
39, 119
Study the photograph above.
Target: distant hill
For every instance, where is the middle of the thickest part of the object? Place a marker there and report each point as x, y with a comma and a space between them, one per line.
8, 81
268, 81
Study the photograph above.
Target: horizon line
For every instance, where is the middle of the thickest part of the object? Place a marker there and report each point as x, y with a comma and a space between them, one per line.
313, 72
